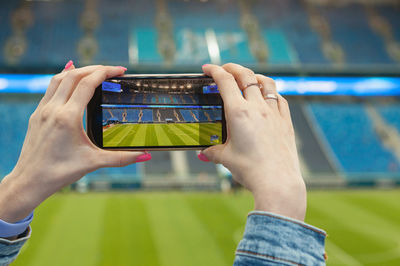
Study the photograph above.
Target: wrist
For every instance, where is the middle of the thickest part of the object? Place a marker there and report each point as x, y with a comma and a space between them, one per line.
283, 197
16, 199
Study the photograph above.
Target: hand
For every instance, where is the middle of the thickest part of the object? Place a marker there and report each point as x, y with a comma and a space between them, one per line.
260, 150
56, 151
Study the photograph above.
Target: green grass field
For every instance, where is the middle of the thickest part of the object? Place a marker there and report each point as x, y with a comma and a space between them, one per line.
200, 228
175, 134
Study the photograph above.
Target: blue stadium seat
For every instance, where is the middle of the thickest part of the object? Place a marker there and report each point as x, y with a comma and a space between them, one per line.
350, 28
391, 114
287, 20
223, 19
391, 14
14, 123
132, 115
187, 115
349, 133
147, 115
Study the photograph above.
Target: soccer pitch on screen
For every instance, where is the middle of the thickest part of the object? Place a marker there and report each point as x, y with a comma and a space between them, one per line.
162, 134
173, 229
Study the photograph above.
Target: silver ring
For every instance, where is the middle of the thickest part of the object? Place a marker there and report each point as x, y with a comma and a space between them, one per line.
271, 96
252, 84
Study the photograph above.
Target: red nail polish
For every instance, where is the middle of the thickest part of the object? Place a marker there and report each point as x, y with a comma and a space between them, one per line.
202, 157
143, 158
124, 68
68, 65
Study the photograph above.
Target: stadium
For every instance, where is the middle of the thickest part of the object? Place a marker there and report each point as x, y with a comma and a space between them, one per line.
336, 62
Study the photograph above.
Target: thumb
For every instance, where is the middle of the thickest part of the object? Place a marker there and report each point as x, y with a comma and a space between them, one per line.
213, 154
123, 158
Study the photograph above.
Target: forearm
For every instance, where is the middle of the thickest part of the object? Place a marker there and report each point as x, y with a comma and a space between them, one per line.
274, 239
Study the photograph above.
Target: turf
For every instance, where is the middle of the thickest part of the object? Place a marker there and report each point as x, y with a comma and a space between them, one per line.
200, 228
153, 134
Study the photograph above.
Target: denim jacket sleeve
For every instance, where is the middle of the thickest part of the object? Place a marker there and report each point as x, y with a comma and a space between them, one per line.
9, 249
271, 239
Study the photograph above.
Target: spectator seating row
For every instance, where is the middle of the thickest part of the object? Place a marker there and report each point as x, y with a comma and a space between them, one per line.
348, 132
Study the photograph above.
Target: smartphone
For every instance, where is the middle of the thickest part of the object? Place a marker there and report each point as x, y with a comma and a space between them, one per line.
156, 112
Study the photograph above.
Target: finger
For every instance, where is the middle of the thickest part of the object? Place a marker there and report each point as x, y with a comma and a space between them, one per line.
212, 154
268, 87
245, 77
55, 82
69, 65
122, 158
227, 85
284, 109
70, 81
85, 89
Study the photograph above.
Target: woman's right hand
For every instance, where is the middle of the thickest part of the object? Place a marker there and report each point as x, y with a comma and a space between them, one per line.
260, 150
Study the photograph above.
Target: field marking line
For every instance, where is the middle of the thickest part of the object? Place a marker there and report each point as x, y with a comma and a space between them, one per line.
110, 130
343, 255
129, 128
116, 139
185, 138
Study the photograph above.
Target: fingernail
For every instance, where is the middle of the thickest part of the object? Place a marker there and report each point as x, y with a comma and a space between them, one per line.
124, 68
143, 158
204, 65
202, 157
69, 64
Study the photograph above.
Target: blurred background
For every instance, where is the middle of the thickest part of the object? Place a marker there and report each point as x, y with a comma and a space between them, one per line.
337, 63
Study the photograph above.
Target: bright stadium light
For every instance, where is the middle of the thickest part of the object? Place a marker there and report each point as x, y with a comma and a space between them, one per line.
355, 86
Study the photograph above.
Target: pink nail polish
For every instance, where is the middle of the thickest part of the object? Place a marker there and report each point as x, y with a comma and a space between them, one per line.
204, 65
143, 158
68, 65
202, 157
124, 68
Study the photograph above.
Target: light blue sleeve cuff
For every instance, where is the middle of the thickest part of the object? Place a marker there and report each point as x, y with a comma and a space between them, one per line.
15, 229
275, 239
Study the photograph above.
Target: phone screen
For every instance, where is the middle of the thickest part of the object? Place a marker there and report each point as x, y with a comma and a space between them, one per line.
161, 112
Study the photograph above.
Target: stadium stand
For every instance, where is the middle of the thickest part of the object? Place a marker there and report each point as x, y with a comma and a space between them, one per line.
391, 113
147, 115
288, 33
358, 152
187, 116
132, 115
284, 27
164, 99
167, 114
352, 20
212, 18
392, 15
187, 99
14, 123
107, 114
